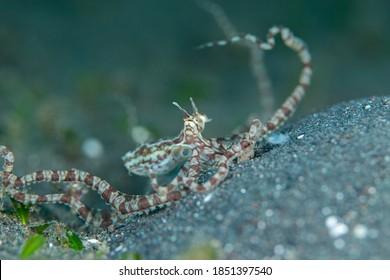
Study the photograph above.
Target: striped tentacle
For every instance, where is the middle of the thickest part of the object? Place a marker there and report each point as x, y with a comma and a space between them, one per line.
191, 170
259, 70
224, 161
291, 103
296, 44
9, 159
122, 203
92, 217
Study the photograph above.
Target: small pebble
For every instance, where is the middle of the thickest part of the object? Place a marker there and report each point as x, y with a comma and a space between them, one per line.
92, 148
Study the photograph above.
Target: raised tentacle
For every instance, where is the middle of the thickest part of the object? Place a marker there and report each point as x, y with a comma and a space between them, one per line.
259, 70
290, 104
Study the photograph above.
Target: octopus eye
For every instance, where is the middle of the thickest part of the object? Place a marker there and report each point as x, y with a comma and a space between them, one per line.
186, 152
181, 152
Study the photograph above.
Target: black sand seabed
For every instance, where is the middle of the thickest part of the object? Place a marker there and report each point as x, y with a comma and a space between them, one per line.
322, 194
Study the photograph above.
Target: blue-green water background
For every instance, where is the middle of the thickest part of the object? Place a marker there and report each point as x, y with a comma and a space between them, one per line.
63, 65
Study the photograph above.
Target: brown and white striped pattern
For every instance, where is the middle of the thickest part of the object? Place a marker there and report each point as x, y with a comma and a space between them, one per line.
156, 159
216, 152
259, 70
122, 203
290, 105
205, 155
